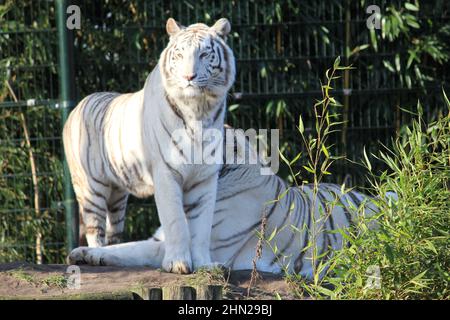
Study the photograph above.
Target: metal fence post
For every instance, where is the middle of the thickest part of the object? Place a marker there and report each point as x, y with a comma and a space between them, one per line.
67, 96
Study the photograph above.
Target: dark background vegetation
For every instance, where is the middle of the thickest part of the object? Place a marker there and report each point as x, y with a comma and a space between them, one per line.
283, 49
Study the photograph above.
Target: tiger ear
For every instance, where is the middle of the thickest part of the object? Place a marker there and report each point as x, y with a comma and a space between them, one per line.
172, 27
222, 27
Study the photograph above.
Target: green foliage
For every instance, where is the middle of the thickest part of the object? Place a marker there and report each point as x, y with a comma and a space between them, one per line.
18, 220
27, 62
421, 39
54, 280
411, 244
406, 245
21, 275
316, 142
318, 161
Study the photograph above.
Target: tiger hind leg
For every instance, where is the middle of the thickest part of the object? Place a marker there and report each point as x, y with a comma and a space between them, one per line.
117, 204
82, 241
93, 212
140, 253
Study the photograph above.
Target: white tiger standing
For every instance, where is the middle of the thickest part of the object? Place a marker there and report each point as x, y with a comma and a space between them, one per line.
117, 144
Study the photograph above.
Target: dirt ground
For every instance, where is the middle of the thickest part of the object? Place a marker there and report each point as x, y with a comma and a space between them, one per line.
30, 281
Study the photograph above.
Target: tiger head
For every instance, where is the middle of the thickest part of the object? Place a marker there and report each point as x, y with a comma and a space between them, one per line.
197, 63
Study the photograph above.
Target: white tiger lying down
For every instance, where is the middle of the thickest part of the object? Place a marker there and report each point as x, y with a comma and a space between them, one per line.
244, 196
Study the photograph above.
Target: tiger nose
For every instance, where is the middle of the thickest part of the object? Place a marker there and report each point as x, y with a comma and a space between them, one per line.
190, 76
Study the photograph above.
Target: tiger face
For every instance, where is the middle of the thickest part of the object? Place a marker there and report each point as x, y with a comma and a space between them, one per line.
197, 61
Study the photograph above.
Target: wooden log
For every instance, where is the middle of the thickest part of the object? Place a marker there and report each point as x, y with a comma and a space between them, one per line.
147, 293
178, 293
209, 292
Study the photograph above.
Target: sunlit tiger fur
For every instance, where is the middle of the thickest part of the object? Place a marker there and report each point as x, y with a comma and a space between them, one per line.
121, 144
244, 201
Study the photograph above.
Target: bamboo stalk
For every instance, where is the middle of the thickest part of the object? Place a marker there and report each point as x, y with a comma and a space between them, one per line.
258, 253
23, 123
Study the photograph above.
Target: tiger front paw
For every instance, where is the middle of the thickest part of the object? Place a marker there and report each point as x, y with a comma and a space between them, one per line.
180, 264
93, 257
78, 256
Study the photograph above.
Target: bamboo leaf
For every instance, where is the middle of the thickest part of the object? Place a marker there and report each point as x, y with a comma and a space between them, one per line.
301, 126
446, 98
272, 235
325, 151
369, 166
388, 66
325, 291
412, 23
397, 62
411, 7
307, 168
295, 159
283, 157
337, 62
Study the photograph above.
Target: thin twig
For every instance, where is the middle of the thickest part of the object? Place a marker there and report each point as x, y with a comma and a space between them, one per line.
33, 173
255, 275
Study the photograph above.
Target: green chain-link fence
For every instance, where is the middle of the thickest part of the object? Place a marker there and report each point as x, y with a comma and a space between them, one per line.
282, 47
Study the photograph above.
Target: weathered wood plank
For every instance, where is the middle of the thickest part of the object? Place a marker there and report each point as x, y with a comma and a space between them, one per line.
178, 293
209, 292
21, 280
148, 293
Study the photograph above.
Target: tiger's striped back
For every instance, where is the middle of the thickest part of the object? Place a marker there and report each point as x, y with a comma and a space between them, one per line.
246, 199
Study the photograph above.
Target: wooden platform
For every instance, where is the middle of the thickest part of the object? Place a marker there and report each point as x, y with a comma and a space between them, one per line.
29, 281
